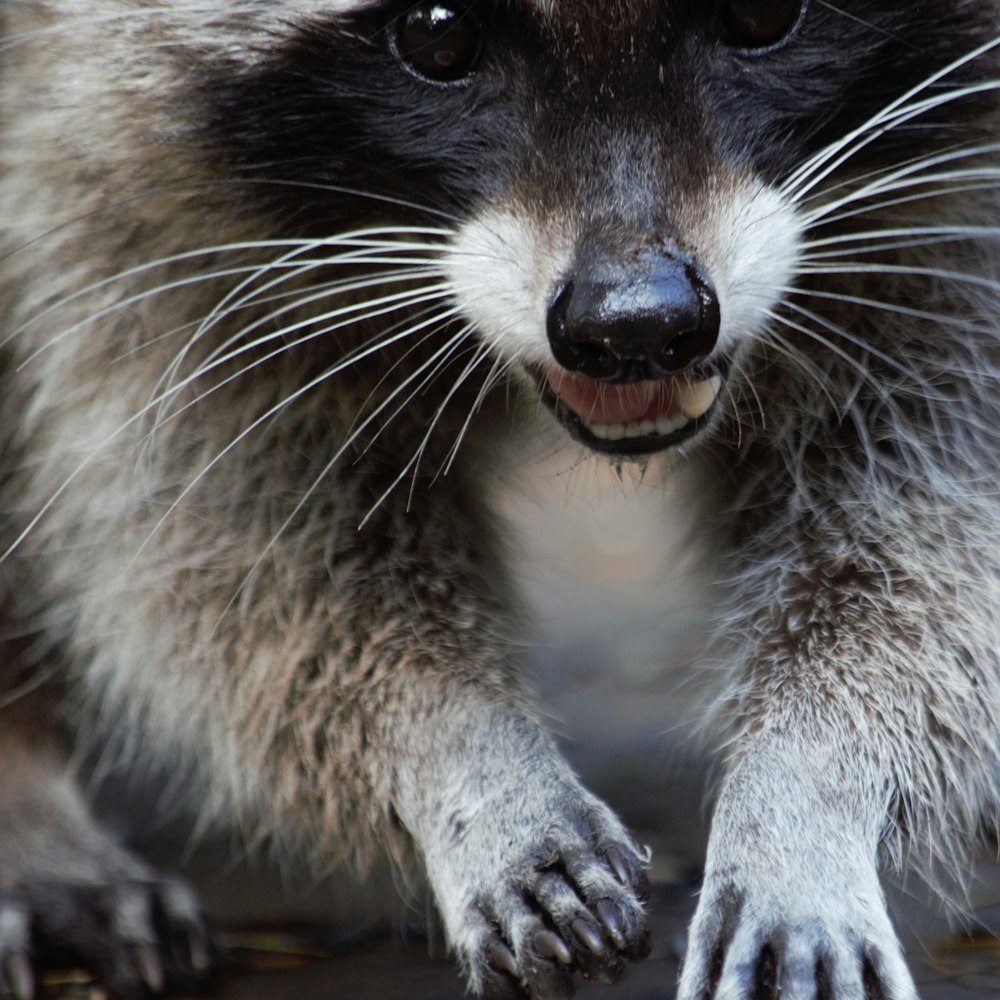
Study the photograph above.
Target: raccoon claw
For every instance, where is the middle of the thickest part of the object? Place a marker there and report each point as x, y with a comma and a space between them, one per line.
629, 870
17, 980
572, 913
589, 936
147, 965
547, 978
748, 950
550, 945
137, 938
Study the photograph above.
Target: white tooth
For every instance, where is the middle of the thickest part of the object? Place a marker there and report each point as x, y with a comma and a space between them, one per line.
667, 425
696, 397
616, 432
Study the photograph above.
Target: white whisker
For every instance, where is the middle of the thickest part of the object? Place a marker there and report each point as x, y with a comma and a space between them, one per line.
911, 312
412, 466
494, 377
272, 411
335, 319
873, 240
899, 111
938, 274
445, 349
882, 391
915, 176
356, 247
380, 340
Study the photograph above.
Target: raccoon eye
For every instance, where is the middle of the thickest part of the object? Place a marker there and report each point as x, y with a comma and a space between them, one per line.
759, 24
437, 41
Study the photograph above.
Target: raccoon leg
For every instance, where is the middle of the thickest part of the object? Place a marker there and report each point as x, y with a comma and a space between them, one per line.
862, 711
791, 904
390, 712
534, 876
69, 893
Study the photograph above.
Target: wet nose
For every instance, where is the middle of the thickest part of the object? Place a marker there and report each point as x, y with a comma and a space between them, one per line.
627, 320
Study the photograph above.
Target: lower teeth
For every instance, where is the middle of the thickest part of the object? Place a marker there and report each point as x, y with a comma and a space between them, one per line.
648, 428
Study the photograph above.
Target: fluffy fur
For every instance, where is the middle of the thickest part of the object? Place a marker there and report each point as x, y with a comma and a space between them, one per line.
266, 290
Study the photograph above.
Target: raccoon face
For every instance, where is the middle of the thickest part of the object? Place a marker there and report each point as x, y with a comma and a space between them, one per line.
624, 189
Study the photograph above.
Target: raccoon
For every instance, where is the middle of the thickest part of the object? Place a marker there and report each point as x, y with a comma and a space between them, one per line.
285, 284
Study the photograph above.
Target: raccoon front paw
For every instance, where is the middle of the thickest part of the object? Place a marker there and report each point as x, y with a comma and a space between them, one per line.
571, 904
136, 937
572, 910
747, 945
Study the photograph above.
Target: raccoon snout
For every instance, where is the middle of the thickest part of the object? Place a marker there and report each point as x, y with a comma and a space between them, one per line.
648, 317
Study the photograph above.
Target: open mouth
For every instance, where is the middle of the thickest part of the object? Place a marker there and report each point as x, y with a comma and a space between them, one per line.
634, 418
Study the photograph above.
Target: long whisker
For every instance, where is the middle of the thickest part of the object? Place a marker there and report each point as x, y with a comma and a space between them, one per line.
137, 298
144, 412
317, 294
413, 465
445, 350
293, 247
363, 251
277, 408
921, 191
817, 168
325, 290
958, 277
225, 351
801, 360
893, 238
935, 183
494, 377
844, 355
335, 319
911, 312
481, 353
360, 242
416, 297
432, 368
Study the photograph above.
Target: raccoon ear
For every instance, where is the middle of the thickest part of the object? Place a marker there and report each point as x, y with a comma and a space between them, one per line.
438, 41
759, 24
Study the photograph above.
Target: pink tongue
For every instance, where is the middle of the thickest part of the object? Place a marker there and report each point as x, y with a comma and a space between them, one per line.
599, 403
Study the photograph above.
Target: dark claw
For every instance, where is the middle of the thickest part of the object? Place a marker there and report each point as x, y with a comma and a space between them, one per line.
609, 916
16, 976
874, 990
20, 977
617, 862
549, 945
199, 954
766, 986
149, 967
824, 981
502, 958
632, 876
642, 947
589, 936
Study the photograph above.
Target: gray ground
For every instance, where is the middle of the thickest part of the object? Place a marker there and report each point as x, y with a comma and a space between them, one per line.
619, 599
275, 954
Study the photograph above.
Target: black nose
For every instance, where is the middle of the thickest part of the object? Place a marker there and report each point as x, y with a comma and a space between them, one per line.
627, 320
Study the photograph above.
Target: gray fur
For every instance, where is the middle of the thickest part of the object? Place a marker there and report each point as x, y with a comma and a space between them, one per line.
294, 582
